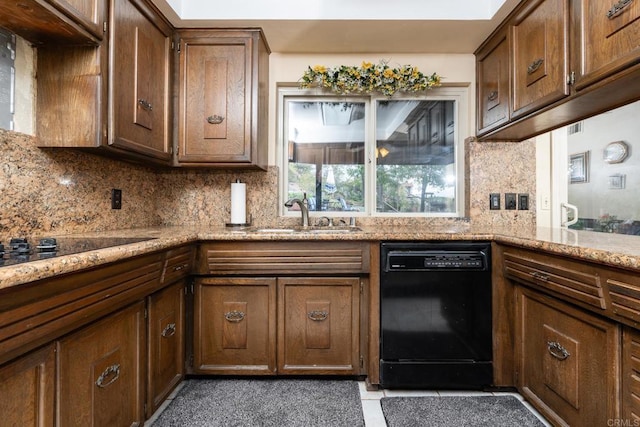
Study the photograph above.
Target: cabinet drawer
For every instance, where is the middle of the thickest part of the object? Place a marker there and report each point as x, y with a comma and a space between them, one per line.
624, 293
631, 376
178, 264
283, 257
569, 280
37, 313
567, 361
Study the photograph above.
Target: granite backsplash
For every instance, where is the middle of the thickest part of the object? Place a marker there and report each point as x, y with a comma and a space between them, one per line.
53, 192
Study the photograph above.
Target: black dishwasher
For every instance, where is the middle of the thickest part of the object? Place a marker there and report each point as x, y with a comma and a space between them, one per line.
435, 315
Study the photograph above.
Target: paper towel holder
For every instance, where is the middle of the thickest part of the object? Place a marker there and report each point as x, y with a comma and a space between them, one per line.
243, 224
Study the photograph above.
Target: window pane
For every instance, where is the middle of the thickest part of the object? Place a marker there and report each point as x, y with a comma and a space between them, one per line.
325, 149
415, 156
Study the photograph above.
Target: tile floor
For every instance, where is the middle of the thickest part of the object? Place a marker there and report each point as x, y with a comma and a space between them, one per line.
371, 408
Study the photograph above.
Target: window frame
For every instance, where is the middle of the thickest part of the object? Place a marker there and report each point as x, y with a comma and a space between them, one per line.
457, 93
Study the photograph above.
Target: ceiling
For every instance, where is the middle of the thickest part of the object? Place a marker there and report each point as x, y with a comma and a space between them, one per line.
351, 26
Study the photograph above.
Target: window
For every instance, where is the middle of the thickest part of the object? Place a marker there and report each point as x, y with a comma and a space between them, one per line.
365, 156
7, 78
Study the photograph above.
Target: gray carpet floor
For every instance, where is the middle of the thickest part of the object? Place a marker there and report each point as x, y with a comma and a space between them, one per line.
257, 402
494, 411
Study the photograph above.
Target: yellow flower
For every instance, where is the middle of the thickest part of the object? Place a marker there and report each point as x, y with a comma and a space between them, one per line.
388, 73
320, 69
366, 65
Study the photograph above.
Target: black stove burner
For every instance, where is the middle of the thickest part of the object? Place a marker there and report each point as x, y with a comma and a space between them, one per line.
20, 250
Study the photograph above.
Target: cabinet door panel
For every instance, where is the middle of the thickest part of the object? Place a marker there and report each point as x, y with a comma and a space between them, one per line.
216, 120
318, 326
89, 13
493, 84
607, 38
568, 360
166, 343
234, 330
631, 376
540, 46
140, 75
27, 390
100, 372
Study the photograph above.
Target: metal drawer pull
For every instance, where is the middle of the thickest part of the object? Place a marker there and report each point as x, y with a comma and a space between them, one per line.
169, 330
180, 267
557, 350
617, 8
109, 375
534, 66
215, 119
234, 316
493, 96
539, 276
317, 315
146, 105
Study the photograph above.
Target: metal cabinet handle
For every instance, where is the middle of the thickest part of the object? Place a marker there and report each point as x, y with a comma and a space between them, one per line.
557, 350
234, 316
169, 330
539, 276
180, 267
215, 119
534, 66
618, 8
318, 315
146, 105
109, 376
493, 96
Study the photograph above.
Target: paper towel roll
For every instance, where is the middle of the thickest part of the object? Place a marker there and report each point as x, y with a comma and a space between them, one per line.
238, 202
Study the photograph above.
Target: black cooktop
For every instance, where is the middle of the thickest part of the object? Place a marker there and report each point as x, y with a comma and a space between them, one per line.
20, 250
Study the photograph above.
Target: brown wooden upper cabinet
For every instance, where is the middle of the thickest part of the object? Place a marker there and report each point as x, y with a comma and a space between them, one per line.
609, 34
541, 55
139, 62
493, 83
62, 21
223, 84
566, 60
114, 98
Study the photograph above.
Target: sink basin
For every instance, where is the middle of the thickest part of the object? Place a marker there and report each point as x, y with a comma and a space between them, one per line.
310, 230
274, 230
329, 230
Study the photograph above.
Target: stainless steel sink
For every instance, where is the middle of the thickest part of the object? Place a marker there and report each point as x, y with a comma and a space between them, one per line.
310, 230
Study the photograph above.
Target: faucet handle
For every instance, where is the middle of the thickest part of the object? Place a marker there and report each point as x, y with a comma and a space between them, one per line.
327, 219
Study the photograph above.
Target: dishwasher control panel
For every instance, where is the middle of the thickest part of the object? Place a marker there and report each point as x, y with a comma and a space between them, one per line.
435, 260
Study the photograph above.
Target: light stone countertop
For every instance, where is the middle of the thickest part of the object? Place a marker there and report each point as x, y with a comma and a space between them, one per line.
608, 249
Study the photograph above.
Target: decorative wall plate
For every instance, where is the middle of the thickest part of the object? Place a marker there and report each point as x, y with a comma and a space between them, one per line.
616, 152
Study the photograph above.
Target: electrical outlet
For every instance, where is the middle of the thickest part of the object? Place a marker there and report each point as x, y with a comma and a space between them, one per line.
116, 198
510, 201
523, 202
494, 201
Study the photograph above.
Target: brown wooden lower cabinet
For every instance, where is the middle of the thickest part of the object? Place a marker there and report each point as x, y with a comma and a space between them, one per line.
165, 323
318, 325
567, 361
234, 325
631, 376
100, 372
27, 390
312, 328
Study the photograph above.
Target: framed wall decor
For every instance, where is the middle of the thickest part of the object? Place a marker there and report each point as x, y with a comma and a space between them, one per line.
616, 182
579, 167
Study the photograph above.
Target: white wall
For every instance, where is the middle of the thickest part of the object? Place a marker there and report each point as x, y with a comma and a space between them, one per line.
289, 68
595, 198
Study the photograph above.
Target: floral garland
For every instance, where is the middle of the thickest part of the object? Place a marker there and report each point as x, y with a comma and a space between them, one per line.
369, 78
